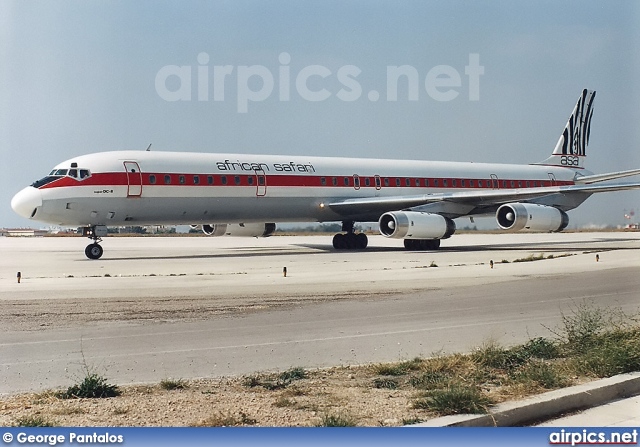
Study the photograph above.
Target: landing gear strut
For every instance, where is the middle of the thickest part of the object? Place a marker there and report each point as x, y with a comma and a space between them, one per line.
350, 240
94, 251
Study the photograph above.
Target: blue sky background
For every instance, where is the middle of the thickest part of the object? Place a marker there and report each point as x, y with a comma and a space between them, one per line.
79, 77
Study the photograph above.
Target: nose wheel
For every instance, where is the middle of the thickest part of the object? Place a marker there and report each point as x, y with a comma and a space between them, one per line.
93, 251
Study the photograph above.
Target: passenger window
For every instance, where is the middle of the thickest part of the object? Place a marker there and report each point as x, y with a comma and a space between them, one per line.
397, 182
407, 182
445, 183
250, 180
334, 181
346, 181
196, 180
237, 179
418, 182
435, 182
167, 179
386, 181
152, 179
183, 180
479, 183
223, 179
367, 181
210, 179
454, 183
323, 181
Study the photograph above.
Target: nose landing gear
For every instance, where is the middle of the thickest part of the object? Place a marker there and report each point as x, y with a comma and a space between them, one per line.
95, 233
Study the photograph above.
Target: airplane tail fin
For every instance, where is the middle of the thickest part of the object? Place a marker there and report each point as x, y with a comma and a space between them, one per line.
570, 148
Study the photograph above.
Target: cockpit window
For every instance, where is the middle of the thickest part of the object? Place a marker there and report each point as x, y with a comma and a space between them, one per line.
79, 174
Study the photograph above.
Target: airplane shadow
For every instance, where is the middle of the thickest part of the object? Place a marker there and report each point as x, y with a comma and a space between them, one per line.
255, 252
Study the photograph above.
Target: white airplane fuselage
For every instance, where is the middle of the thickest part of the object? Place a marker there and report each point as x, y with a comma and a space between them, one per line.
171, 188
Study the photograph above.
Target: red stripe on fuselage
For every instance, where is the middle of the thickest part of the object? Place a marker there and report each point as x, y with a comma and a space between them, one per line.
301, 181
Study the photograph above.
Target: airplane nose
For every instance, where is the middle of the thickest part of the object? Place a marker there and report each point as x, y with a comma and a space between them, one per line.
26, 202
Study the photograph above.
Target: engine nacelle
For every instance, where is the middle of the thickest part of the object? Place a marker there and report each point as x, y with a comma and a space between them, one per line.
214, 229
240, 230
415, 225
530, 216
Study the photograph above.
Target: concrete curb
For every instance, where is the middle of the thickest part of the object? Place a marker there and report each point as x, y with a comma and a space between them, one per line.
547, 405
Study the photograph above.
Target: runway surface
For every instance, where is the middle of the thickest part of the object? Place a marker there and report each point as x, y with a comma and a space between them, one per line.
155, 308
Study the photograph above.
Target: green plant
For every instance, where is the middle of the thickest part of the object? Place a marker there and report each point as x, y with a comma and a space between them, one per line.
226, 420
387, 383
92, 386
33, 421
456, 399
293, 374
411, 421
173, 384
541, 374
337, 420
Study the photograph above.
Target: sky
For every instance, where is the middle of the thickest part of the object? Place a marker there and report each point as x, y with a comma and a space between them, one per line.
310, 78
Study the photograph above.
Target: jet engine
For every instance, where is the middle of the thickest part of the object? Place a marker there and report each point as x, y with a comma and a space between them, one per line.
415, 225
529, 216
240, 230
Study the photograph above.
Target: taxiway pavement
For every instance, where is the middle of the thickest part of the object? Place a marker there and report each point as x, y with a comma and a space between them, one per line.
154, 308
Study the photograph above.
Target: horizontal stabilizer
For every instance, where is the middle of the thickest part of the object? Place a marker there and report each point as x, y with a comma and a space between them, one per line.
588, 179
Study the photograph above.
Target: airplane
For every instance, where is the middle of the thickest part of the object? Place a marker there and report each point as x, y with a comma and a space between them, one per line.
245, 195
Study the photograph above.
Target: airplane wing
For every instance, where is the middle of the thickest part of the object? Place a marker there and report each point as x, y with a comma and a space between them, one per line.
480, 198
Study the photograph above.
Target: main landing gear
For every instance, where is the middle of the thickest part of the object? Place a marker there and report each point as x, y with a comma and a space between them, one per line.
350, 240
95, 233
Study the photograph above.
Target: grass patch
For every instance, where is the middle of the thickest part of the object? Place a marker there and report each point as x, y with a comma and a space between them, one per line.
92, 386
226, 420
456, 399
398, 369
530, 258
541, 374
33, 421
173, 384
386, 383
341, 419
276, 382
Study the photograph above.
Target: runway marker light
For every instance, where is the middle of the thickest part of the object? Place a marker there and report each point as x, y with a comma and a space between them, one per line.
19, 277
491, 263
597, 258
284, 272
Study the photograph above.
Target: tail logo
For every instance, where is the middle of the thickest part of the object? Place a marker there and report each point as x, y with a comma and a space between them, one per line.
575, 137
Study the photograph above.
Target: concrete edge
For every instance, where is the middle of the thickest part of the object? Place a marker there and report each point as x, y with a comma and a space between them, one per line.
546, 405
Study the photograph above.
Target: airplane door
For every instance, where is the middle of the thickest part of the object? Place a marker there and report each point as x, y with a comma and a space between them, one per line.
552, 178
261, 183
494, 181
134, 179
